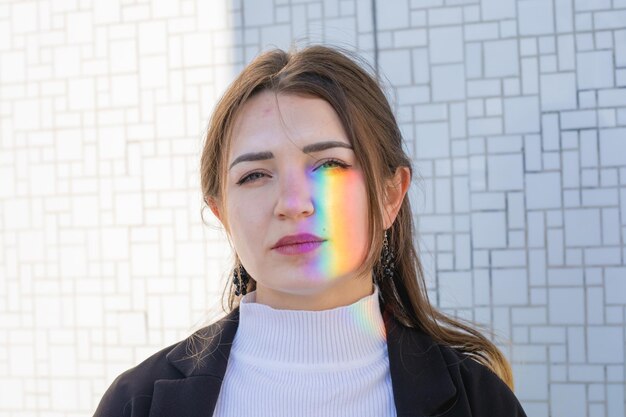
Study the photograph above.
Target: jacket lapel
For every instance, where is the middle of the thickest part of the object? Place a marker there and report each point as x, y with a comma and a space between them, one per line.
196, 394
421, 382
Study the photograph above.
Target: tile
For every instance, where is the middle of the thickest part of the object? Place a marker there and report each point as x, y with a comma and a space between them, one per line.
432, 140
530, 76
410, 38
445, 44
558, 91
516, 210
606, 256
456, 289
489, 229
586, 5
613, 147
532, 153
471, 13
566, 306
543, 190
564, 15
615, 285
474, 59
620, 47
511, 87
565, 277
548, 63
605, 344
612, 19
566, 53
550, 132
587, 99
412, 95
600, 197
615, 398
582, 227
418, 18
589, 148
547, 44
535, 17
521, 115
504, 144
488, 201
501, 58
528, 46
579, 119
448, 82
571, 169
555, 247
483, 88
481, 31
508, 258
595, 305
505, 172
510, 286
608, 177
584, 42
394, 15
421, 65
604, 39
258, 12
445, 16
398, 74
594, 69
462, 252
497, 9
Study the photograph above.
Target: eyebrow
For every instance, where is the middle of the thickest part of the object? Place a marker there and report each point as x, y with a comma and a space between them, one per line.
314, 147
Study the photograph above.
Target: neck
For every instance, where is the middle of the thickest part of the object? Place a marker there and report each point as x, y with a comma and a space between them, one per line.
343, 336
337, 294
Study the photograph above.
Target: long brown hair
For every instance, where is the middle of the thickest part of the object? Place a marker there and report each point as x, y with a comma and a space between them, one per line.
334, 74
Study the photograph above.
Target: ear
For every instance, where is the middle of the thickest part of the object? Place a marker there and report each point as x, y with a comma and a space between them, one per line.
214, 207
395, 190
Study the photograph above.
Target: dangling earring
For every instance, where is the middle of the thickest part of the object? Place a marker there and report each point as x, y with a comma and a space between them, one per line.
386, 261
240, 280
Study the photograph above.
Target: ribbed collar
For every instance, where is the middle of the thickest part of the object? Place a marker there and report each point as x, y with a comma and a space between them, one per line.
345, 337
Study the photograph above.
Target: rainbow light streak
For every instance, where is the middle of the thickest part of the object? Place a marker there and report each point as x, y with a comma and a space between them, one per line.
337, 193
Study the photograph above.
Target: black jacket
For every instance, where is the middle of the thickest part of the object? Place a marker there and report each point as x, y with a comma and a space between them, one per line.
428, 379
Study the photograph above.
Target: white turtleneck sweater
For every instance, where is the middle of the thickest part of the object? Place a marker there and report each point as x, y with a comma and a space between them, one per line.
308, 363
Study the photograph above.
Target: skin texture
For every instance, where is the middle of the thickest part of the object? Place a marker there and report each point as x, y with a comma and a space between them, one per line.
295, 193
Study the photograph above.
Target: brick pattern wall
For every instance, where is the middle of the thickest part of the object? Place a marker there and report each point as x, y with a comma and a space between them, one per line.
514, 112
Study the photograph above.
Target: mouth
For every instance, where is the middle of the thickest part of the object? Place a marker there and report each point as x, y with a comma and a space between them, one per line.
299, 239
304, 242
298, 247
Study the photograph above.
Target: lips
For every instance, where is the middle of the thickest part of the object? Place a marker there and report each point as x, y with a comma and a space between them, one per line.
299, 238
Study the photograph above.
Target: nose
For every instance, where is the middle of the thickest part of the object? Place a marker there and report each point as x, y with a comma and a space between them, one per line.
295, 195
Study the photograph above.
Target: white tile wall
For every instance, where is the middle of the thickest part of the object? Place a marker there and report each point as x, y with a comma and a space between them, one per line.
514, 113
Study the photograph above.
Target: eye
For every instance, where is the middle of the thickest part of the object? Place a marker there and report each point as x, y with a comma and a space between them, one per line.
250, 177
334, 161
247, 178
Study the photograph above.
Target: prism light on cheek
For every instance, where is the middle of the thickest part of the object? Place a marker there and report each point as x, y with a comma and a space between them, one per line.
339, 207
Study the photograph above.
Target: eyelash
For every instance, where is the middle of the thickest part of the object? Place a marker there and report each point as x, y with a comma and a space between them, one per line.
246, 178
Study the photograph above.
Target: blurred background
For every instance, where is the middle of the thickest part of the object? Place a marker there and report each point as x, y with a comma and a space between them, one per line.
514, 113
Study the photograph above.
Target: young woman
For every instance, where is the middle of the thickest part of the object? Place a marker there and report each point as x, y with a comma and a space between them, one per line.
328, 313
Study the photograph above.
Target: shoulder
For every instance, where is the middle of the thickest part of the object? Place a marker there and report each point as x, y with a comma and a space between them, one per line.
131, 393
132, 389
486, 393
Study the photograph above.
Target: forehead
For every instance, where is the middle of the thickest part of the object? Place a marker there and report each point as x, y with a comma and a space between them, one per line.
268, 118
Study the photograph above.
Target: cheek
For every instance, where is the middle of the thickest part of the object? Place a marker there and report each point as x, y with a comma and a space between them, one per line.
245, 222
344, 209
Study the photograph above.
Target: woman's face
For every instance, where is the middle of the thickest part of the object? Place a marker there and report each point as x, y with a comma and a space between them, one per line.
289, 192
